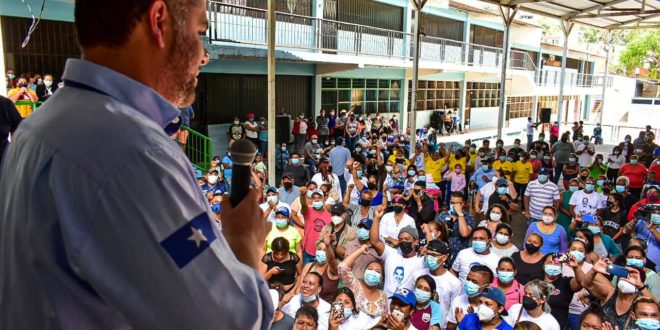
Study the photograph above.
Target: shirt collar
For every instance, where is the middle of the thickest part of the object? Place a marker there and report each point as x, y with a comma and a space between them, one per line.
132, 93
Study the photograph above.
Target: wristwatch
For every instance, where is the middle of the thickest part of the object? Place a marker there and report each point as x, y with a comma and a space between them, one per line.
640, 289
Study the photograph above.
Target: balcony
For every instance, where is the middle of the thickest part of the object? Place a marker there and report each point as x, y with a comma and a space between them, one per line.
551, 77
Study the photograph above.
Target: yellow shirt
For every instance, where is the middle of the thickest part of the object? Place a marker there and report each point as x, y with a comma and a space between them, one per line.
505, 166
473, 158
434, 168
453, 162
392, 158
290, 234
23, 110
522, 172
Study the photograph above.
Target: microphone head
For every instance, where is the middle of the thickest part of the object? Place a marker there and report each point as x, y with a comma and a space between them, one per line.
243, 152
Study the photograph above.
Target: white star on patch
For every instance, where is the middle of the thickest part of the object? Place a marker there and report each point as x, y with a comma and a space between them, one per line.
197, 236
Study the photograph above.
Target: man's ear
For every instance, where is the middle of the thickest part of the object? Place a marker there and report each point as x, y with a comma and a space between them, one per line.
157, 18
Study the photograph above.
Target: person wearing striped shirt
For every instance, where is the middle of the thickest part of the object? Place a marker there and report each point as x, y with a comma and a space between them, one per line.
540, 193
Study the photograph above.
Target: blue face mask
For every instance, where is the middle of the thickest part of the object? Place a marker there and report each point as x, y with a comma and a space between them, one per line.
281, 223
295, 161
471, 289
552, 270
594, 230
317, 205
620, 189
633, 161
421, 178
452, 210
216, 208
637, 263
589, 187
648, 324
479, 246
422, 296
655, 219
321, 257
372, 277
485, 168
543, 178
363, 234
310, 299
347, 313
578, 255
359, 174
431, 262
411, 173
502, 190
600, 182
505, 277
573, 188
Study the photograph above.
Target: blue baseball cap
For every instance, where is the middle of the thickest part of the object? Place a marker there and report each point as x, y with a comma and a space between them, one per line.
271, 189
283, 211
366, 223
502, 182
405, 296
497, 295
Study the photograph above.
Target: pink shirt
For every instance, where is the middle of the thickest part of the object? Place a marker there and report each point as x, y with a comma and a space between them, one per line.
514, 295
457, 180
314, 223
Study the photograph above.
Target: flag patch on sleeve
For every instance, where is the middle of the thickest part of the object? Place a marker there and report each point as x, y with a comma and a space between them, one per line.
189, 241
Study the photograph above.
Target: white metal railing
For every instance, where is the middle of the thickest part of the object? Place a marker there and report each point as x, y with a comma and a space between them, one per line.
552, 78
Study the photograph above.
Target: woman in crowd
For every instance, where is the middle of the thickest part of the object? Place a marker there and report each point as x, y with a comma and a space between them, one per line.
281, 266
604, 246
306, 319
577, 250
496, 215
635, 257
325, 265
615, 219
614, 163
570, 170
548, 163
506, 281
587, 237
565, 216
535, 306
348, 317
564, 286
530, 260
593, 318
369, 296
554, 236
283, 229
427, 305
325, 176
502, 244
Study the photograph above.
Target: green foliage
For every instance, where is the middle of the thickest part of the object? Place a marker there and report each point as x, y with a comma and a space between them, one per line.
597, 36
644, 46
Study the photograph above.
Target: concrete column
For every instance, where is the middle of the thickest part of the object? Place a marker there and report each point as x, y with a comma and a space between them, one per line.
508, 15
317, 81
317, 12
407, 28
567, 27
403, 110
463, 99
466, 39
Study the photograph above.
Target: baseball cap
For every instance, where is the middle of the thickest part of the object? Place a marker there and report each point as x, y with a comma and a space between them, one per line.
405, 296
653, 186
337, 209
283, 211
315, 192
250, 115
287, 175
366, 223
439, 246
502, 182
271, 189
544, 171
412, 231
496, 295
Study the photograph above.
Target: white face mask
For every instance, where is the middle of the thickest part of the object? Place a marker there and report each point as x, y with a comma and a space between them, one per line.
485, 313
336, 219
501, 239
495, 216
213, 179
548, 219
626, 287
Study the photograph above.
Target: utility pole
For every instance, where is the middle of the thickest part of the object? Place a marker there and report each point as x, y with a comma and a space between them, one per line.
271, 93
608, 49
566, 27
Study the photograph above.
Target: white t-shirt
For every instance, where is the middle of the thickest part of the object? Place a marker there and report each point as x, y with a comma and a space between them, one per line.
253, 125
461, 302
546, 321
530, 128
355, 194
487, 190
615, 162
323, 309
585, 159
586, 203
303, 127
361, 321
318, 179
271, 216
399, 271
448, 287
389, 227
467, 257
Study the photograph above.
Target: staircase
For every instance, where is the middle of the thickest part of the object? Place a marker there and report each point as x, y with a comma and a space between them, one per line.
597, 105
198, 148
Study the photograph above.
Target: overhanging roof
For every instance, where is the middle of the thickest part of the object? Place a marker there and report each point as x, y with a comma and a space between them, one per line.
604, 14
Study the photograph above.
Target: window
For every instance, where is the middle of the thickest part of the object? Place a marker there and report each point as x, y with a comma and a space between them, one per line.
519, 107
363, 95
436, 95
551, 102
483, 95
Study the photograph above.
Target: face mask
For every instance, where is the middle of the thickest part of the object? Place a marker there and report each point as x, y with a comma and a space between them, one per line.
578, 255
321, 257
529, 304
505, 277
48, 83
317, 205
594, 230
600, 182
431, 262
626, 287
213, 179
548, 219
422, 296
633, 161
502, 190
458, 171
620, 189
485, 168
363, 234
572, 160
479, 246
359, 174
648, 324
421, 178
499, 145
471, 289
406, 248
573, 188
501, 239
295, 161
543, 178
397, 209
531, 248
216, 208
310, 299
502, 158
272, 199
546, 157
589, 187
532, 156
655, 219
336, 219
552, 270
637, 263
472, 150
485, 313
388, 168
509, 159
358, 149
281, 223
372, 277
411, 173
315, 141
11, 76
236, 122
481, 154
495, 216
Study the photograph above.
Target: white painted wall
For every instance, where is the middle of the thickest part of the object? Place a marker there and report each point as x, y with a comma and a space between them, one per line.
526, 35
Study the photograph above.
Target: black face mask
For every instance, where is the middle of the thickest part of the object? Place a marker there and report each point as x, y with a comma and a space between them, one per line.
372, 186
406, 247
365, 202
398, 209
287, 185
529, 303
531, 248
417, 191
583, 177
610, 204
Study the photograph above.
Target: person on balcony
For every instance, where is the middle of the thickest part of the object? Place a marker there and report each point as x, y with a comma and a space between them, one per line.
47, 89
23, 93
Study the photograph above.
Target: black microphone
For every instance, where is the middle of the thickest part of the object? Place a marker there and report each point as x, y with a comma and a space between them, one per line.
242, 155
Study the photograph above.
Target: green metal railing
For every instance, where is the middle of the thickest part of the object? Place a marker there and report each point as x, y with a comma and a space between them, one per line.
34, 105
198, 148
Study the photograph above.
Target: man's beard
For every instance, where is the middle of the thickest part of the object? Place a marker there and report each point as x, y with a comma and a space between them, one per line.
179, 86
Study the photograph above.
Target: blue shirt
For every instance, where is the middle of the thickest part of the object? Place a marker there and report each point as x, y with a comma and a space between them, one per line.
102, 200
471, 322
338, 158
642, 231
227, 171
187, 113
479, 173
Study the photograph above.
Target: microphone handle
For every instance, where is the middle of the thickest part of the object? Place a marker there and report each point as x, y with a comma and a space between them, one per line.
240, 183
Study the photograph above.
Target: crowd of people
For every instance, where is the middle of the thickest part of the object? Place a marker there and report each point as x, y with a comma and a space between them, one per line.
372, 233
30, 88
